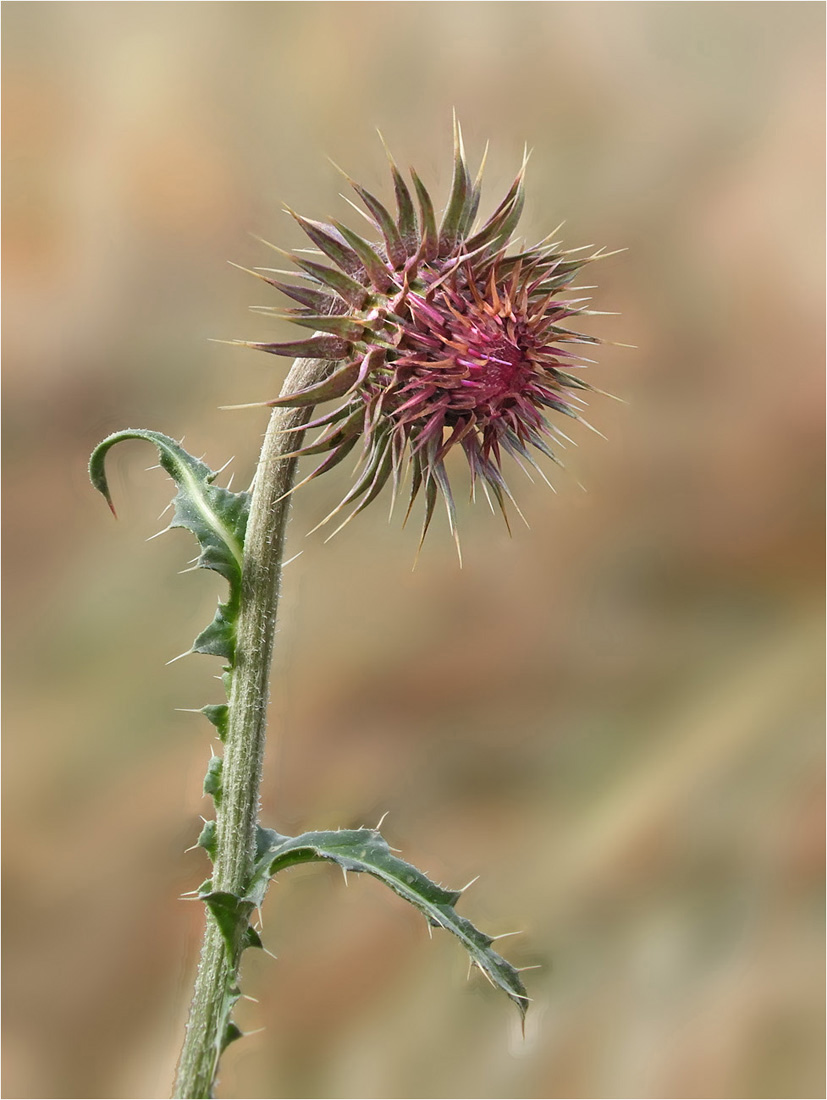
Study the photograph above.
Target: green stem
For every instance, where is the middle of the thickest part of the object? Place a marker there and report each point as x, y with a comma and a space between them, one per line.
236, 817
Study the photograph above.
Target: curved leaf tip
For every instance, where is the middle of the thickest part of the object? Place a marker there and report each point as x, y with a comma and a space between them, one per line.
216, 516
97, 472
365, 850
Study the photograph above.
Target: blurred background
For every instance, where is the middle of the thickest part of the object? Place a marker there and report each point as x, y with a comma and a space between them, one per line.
614, 718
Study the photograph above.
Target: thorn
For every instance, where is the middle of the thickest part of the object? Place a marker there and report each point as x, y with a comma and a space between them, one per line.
614, 397
157, 466
261, 240
553, 233
270, 953
488, 977
430, 930
502, 935
471, 883
289, 560
601, 255
537, 966
338, 168
255, 1000
249, 405
157, 533
188, 710
562, 435
166, 509
591, 427
303, 275
525, 471
188, 895
358, 209
459, 548
545, 479
232, 343
246, 270
178, 658
344, 872
381, 819
191, 849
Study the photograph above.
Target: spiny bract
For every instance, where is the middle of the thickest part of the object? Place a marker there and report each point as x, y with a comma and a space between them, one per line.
438, 339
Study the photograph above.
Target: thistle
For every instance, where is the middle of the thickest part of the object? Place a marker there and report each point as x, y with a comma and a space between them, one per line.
439, 339
436, 338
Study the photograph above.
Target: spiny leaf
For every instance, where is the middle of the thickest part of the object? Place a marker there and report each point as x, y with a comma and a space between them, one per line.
314, 347
316, 300
335, 385
212, 780
348, 328
348, 289
472, 206
335, 435
231, 1033
232, 915
503, 221
374, 265
460, 199
330, 241
430, 240
364, 850
393, 241
207, 838
216, 516
404, 206
218, 714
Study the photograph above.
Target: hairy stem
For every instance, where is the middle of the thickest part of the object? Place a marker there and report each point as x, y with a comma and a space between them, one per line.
236, 816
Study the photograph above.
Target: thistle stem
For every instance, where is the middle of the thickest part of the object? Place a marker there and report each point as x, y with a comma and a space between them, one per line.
236, 816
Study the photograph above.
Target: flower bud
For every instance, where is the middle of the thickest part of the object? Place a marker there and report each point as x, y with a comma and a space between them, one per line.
441, 338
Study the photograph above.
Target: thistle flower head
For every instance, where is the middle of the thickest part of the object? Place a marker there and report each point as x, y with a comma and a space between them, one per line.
440, 338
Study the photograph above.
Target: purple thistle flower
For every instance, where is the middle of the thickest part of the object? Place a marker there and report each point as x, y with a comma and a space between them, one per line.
439, 339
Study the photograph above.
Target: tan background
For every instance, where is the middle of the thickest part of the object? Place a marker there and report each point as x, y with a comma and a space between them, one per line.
614, 718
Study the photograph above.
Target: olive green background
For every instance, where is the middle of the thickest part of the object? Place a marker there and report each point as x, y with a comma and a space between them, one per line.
614, 718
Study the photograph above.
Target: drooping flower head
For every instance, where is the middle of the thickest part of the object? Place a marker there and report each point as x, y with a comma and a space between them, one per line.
439, 339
